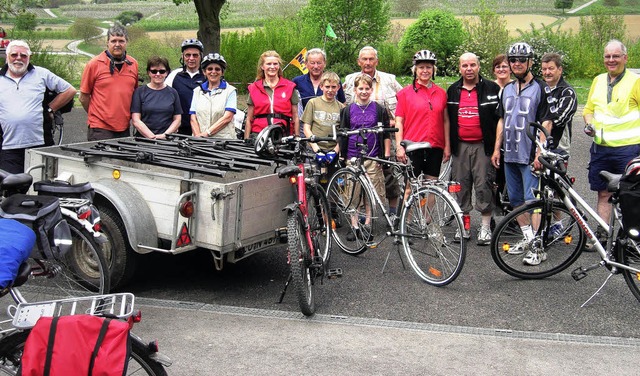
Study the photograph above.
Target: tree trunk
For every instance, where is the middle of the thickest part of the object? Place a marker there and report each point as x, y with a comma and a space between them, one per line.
209, 23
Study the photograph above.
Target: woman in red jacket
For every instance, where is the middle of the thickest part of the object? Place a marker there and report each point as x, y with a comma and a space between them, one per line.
273, 99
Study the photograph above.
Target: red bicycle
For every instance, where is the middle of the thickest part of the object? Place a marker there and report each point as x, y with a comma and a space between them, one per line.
308, 217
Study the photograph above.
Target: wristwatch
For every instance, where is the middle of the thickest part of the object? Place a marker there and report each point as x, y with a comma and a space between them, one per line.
49, 110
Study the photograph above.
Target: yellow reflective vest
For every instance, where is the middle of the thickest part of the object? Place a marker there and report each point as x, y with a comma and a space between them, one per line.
617, 123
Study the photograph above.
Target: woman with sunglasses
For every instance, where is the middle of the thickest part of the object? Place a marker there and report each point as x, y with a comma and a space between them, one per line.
214, 102
155, 107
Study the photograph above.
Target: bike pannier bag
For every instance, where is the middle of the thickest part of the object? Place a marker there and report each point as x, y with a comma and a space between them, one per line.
629, 195
43, 215
77, 346
15, 247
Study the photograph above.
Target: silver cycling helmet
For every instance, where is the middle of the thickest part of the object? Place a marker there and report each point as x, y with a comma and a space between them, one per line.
214, 58
424, 56
520, 49
267, 141
192, 43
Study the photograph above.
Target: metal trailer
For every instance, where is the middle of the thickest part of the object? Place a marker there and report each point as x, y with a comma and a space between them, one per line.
144, 190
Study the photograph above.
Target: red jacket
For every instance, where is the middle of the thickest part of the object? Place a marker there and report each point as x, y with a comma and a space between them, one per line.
280, 105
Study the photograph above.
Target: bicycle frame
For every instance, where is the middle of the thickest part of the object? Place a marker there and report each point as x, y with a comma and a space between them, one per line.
301, 189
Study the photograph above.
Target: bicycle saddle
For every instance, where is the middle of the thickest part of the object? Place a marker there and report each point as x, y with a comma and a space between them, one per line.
410, 146
288, 171
17, 182
613, 180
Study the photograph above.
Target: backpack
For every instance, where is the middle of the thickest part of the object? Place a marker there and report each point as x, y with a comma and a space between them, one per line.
76, 345
43, 215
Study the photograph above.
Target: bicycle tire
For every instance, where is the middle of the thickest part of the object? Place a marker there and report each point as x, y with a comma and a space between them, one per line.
629, 255
319, 221
82, 271
12, 347
445, 170
57, 131
429, 221
300, 262
349, 199
559, 251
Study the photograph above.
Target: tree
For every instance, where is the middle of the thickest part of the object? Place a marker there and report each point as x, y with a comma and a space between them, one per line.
356, 23
563, 4
85, 28
438, 31
408, 8
208, 22
26, 21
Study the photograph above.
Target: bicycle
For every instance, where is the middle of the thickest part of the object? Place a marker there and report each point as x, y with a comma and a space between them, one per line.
144, 357
561, 228
82, 269
308, 217
428, 222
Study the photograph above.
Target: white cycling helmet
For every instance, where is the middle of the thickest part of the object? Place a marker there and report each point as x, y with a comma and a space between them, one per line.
267, 141
214, 58
520, 49
192, 43
424, 56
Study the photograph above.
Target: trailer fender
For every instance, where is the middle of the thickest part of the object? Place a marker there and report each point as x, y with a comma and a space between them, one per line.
133, 210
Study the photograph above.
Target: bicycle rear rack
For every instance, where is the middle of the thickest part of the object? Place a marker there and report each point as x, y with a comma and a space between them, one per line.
118, 305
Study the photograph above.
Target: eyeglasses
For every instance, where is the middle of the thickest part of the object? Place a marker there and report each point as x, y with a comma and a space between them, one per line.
156, 71
213, 69
612, 57
503, 67
191, 55
15, 55
512, 60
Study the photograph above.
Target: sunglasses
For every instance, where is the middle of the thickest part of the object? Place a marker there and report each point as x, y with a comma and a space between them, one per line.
191, 55
518, 59
156, 71
214, 69
15, 55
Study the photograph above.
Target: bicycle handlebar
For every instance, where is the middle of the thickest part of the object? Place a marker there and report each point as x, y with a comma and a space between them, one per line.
378, 129
558, 168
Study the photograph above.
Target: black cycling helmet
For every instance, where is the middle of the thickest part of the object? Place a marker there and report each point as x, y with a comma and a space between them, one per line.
192, 43
520, 49
214, 58
424, 56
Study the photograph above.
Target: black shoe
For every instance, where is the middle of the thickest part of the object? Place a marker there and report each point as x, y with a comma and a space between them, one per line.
365, 233
351, 236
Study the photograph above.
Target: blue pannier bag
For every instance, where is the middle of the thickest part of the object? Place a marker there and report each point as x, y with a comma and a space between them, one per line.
16, 243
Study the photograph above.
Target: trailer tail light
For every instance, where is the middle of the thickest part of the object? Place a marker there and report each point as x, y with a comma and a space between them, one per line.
186, 209
454, 187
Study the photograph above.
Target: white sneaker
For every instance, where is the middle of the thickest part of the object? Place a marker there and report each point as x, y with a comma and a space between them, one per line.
456, 237
519, 248
534, 258
484, 235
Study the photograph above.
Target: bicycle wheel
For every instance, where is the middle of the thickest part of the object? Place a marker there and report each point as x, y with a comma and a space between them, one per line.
628, 253
353, 211
58, 133
82, 271
429, 222
557, 241
140, 359
319, 221
300, 262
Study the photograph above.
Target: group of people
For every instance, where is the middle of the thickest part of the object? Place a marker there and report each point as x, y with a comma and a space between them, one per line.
480, 123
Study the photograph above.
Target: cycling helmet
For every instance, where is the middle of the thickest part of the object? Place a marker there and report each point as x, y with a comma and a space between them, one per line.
424, 55
267, 141
214, 58
520, 49
192, 43
633, 168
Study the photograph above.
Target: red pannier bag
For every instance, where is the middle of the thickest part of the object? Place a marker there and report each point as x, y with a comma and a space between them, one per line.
77, 345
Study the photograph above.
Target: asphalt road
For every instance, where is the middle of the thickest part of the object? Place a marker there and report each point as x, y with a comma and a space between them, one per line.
482, 296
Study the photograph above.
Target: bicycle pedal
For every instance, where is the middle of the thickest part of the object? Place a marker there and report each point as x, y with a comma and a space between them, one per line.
334, 273
579, 273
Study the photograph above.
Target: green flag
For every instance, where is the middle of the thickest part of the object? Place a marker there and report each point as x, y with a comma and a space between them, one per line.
329, 32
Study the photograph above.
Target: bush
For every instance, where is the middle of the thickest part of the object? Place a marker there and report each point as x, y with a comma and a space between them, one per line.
612, 3
438, 31
129, 17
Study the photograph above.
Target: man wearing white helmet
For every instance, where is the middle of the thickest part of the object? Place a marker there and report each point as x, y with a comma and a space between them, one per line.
523, 101
187, 78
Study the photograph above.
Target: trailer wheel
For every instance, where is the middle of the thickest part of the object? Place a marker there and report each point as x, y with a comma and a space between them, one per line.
121, 257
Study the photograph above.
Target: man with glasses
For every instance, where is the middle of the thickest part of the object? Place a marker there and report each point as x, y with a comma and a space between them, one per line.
23, 87
612, 117
523, 101
187, 78
106, 88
